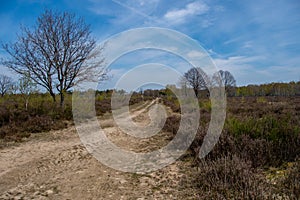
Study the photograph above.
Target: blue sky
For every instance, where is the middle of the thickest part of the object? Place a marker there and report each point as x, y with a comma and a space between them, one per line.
258, 41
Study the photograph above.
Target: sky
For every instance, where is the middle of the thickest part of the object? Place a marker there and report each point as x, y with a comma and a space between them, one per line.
258, 41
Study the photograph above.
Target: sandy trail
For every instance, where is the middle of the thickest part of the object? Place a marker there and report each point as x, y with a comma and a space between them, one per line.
56, 165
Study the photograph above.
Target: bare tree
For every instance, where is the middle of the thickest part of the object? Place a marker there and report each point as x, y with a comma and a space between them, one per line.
183, 85
26, 88
197, 79
227, 80
55, 53
5, 84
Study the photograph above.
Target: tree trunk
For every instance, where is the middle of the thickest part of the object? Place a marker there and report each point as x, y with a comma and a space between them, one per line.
26, 104
53, 96
196, 93
62, 99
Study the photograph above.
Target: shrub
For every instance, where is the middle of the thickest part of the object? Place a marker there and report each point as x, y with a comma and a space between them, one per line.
265, 141
261, 100
103, 106
205, 104
172, 103
42, 123
260, 152
291, 182
230, 177
172, 124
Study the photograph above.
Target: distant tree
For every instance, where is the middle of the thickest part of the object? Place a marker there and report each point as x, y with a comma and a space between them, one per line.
6, 84
228, 81
26, 88
150, 93
297, 88
54, 54
183, 85
270, 89
196, 78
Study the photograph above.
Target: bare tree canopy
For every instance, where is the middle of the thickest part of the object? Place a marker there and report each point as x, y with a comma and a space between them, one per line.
5, 84
55, 52
227, 80
196, 78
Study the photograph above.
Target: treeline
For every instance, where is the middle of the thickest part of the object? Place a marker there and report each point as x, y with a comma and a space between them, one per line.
197, 80
270, 89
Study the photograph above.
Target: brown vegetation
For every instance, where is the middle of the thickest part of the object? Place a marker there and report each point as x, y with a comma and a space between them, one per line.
260, 133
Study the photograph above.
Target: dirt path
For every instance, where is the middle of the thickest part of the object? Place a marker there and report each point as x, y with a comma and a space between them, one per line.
56, 165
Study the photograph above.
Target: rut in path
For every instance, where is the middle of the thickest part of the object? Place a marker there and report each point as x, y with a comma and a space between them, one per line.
56, 165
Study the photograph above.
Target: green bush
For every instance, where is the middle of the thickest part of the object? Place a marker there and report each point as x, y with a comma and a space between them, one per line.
42, 115
267, 127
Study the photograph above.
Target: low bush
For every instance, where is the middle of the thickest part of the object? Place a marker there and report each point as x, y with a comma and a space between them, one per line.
261, 152
103, 106
172, 103
43, 114
271, 140
255, 138
268, 127
230, 177
172, 124
291, 182
42, 123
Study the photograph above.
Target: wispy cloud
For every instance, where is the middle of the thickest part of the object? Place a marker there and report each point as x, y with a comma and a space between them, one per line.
136, 8
248, 70
242, 67
195, 54
179, 16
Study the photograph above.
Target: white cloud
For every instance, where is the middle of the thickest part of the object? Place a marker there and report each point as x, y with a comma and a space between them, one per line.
280, 73
248, 44
136, 77
239, 65
195, 54
238, 60
233, 40
247, 70
212, 52
114, 75
179, 16
242, 68
142, 5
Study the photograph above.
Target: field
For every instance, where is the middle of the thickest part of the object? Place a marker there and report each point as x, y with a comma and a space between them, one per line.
205, 101
256, 157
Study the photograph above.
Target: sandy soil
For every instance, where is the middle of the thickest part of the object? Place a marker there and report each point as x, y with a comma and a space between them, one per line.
55, 165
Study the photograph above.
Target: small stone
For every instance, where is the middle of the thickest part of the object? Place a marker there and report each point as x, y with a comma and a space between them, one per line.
11, 191
18, 197
49, 192
122, 181
144, 184
37, 193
